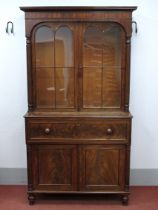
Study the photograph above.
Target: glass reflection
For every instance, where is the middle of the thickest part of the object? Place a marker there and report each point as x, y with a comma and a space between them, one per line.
63, 61
44, 41
54, 67
102, 49
64, 47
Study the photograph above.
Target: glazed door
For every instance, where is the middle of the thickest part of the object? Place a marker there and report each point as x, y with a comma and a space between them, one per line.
54, 66
54, 167
79, 66
102, 167
103, 66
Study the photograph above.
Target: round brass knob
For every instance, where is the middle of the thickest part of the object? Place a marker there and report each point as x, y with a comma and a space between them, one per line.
47, 130
109, 131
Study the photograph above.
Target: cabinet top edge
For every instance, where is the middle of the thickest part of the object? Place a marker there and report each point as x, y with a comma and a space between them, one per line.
86, 8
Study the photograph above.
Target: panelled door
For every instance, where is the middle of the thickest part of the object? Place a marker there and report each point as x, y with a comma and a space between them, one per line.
102, 167
54, 167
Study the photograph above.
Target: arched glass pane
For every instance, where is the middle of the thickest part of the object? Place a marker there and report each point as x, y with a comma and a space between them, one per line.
102, 51
44, 41
44, 51
64, 68
64, 53
92, 47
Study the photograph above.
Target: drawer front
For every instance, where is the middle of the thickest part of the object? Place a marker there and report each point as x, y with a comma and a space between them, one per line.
109, 129
52, 130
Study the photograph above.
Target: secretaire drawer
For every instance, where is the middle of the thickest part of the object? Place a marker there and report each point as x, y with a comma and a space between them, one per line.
52, 130
105, 129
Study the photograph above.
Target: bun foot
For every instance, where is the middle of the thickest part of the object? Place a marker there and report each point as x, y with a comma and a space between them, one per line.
125, 199
31, 199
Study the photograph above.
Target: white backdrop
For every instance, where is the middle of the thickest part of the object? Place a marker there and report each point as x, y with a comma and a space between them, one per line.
144, 81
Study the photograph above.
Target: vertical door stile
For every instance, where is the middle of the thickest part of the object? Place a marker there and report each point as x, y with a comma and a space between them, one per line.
123, 69
76, 64
79, 66
102, 69
55, 67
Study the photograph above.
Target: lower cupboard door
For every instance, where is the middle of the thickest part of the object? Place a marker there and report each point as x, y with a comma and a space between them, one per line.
54, 167
102, 167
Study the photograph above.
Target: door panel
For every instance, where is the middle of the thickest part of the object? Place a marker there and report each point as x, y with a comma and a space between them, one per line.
102, 167
54, 167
